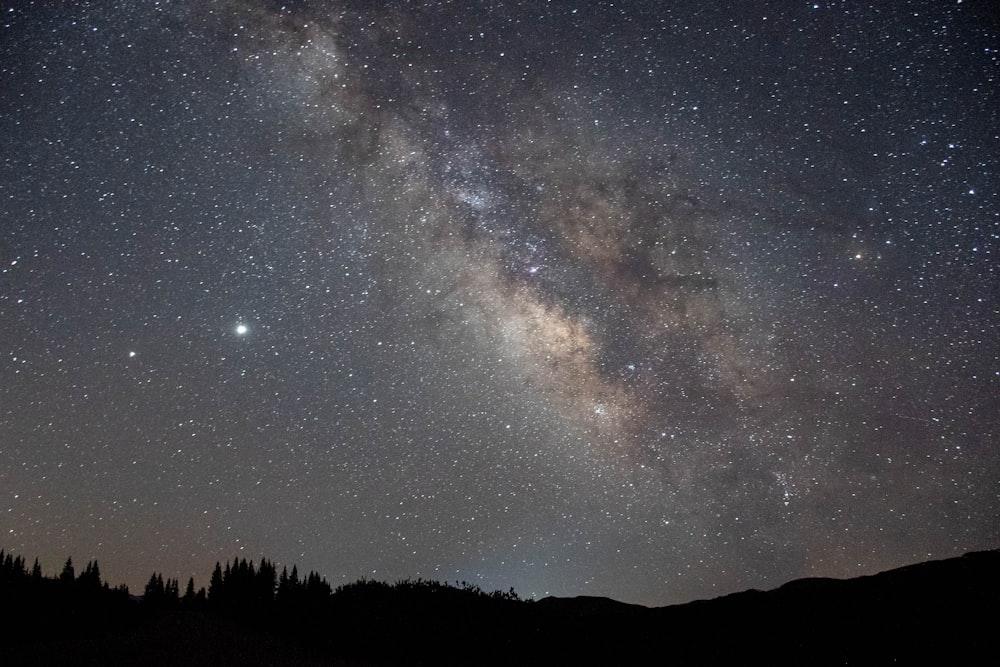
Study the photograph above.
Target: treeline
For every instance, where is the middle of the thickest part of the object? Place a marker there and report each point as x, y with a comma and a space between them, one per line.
240, 585
71, 604
352, 620
16, 576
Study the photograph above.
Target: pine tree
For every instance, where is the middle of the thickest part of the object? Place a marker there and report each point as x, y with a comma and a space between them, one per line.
266, 582
171, 592
9, 571
188, 600
216, 584
284, 587
11, 567
90, 578
68, 575
154, 592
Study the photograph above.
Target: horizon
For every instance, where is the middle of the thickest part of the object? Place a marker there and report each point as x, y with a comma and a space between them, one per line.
281, 570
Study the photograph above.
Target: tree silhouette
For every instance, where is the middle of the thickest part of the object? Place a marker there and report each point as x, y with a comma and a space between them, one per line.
266, 583
171, 592
189, 595
153, 589
11, 567
284, 588
68, 575
90, 578
216, 584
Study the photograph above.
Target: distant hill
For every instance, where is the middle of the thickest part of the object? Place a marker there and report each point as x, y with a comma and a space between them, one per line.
934, 613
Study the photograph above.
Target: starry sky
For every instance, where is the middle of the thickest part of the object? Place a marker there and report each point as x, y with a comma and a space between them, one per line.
651, 300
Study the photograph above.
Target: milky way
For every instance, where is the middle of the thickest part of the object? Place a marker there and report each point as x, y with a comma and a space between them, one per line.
622, 299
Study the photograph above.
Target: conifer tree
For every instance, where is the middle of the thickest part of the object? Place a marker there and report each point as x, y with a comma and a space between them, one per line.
266, 582
171, 592
90, 578
188, 600
154, 592
283, 586
216, 583
68, 575
11, 568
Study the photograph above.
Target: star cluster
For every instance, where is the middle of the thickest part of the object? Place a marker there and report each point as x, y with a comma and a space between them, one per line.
656, 301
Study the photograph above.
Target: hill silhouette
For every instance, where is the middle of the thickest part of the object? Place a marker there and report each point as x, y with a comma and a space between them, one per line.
938, 612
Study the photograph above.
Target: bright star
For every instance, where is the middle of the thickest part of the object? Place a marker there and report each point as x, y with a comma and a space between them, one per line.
241, 329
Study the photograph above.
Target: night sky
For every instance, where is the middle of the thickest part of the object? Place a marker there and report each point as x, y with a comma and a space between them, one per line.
651, 300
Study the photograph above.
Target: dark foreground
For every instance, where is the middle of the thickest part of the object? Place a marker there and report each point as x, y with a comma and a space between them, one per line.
940, 612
